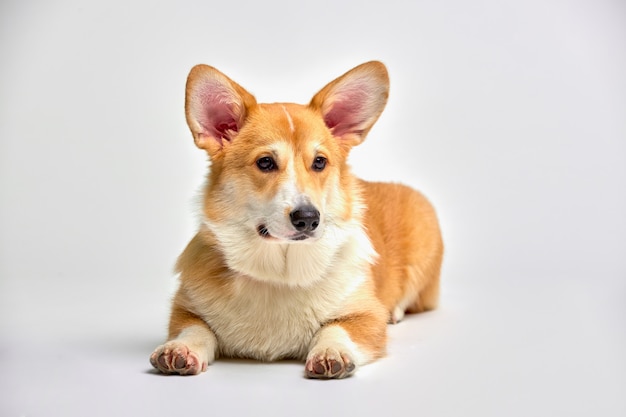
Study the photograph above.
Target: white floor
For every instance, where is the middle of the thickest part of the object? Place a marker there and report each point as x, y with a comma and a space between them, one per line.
509, 115
491, 350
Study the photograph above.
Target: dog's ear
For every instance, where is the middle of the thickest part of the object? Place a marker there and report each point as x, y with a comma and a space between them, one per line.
352, 103
216, 107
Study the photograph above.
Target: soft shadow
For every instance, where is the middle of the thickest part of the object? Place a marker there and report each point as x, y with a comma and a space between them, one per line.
250, 364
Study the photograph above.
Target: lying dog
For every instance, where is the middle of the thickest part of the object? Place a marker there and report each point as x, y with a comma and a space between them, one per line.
296, 258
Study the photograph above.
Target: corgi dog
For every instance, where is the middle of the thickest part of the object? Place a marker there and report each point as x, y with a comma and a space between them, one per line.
295, 257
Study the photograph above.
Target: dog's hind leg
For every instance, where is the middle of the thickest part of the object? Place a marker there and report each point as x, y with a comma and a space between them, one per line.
421, 291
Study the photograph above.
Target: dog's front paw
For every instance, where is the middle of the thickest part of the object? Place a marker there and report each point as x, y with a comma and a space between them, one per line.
176, 358
329, 363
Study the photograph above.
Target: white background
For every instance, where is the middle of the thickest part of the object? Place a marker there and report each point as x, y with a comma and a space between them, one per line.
509, 115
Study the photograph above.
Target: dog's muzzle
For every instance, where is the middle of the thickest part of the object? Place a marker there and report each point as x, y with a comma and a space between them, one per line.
304, 219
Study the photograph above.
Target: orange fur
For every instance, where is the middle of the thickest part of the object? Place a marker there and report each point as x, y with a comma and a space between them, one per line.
404, 230
299, 260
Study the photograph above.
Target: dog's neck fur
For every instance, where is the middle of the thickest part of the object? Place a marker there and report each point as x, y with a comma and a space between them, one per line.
298, 264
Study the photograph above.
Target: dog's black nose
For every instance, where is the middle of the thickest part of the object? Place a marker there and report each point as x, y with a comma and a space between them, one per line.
305, 218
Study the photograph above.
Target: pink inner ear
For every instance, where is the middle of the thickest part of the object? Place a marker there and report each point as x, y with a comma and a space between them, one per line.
216, 111
219, 120
224, 127
345, 117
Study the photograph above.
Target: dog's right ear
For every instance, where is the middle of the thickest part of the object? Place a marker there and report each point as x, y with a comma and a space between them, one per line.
216, 108
351, 104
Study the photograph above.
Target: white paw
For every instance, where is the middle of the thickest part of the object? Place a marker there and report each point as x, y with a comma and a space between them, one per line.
329, 363
333, 355
176, 358
397, 315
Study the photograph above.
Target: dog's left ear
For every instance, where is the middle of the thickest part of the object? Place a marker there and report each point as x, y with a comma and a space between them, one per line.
216, 108
352, 103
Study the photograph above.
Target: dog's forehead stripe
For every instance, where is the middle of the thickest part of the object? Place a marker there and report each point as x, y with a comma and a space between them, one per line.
289, 119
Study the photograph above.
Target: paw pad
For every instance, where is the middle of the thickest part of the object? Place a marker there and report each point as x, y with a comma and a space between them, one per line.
176, 358
329, 364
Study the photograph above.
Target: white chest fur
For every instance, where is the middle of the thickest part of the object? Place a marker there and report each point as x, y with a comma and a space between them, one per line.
269, 319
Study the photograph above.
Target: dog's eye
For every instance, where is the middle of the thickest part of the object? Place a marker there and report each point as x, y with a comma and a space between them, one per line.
319, 163
266, 164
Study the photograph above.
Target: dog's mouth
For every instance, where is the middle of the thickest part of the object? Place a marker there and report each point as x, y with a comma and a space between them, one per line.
265, 234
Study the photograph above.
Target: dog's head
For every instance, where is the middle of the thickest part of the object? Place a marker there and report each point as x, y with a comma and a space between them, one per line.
278, 171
